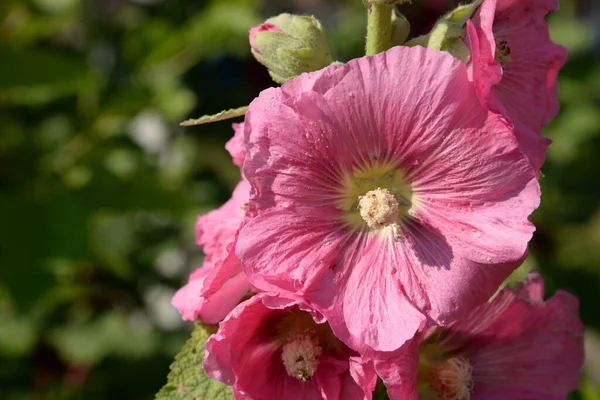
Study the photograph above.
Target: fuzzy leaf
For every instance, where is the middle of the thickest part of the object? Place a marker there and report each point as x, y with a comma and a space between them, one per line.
187, 379
205, 119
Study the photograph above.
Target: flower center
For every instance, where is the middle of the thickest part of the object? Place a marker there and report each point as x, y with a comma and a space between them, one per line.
453, 379
379, 208
502, 52
375, 197
300, 355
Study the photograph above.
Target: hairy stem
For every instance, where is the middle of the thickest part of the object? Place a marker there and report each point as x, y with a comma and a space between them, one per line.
379, 28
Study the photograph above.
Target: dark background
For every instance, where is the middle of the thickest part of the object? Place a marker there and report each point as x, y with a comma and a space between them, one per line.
100, 187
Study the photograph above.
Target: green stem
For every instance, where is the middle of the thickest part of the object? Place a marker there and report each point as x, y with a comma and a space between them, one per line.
379, 28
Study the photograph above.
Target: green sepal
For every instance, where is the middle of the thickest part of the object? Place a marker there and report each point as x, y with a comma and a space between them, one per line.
448, 31
226, 114
187, 379
458, 49
400, 29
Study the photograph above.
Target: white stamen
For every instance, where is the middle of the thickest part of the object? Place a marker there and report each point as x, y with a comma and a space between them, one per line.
453, 379
300, 356
379, 208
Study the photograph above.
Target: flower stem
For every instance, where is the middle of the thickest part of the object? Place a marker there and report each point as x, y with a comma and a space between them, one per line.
379, 28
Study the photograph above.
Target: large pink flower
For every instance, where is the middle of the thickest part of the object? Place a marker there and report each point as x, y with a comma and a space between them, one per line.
515, 347
278, 347
219, 285
514, 66
384, 193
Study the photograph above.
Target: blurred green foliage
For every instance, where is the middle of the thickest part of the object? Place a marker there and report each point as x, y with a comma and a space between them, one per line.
100, 187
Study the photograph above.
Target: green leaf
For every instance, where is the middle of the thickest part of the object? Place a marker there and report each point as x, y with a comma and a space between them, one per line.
205, 119
187, 379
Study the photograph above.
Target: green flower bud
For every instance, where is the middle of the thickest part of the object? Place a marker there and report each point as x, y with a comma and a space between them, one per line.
448, 32
289, 45
400, 29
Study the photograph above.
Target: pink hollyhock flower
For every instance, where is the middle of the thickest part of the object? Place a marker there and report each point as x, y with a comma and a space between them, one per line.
515, 347
235, 146
218, 286
384, 193
278, 347
514, 66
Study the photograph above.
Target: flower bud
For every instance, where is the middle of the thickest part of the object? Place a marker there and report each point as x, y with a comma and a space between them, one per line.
401, 29
448, 32
289, 45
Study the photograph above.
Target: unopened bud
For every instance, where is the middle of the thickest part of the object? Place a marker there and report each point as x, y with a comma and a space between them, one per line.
447, 30
401, 29
289, 45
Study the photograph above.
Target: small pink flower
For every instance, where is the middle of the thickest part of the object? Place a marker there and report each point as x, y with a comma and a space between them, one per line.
385, 194
278, 347
515, 347
235, 146
514, 66
218, 286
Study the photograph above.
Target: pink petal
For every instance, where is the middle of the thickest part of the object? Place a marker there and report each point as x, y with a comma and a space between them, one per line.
235, 146
188, 299
399, 372
375, 304
293, 261
361, 382
213, 292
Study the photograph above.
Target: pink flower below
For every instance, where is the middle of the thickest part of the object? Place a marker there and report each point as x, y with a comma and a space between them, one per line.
515, 347
278, 347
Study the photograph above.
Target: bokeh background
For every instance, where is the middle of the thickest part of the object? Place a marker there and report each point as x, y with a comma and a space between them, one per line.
100, 187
